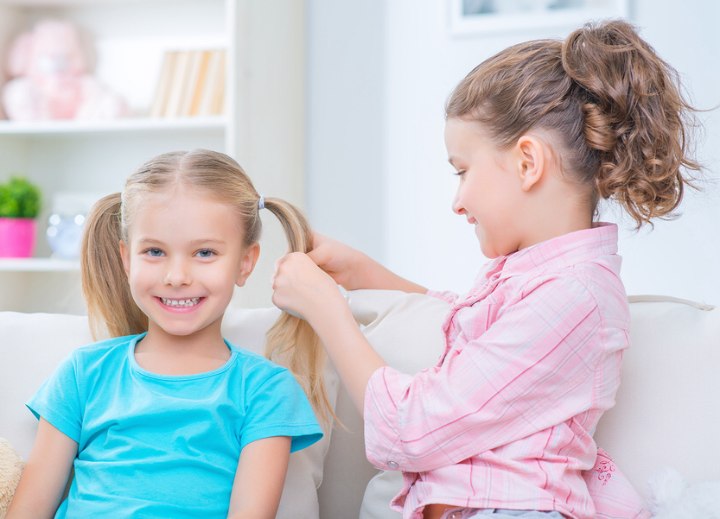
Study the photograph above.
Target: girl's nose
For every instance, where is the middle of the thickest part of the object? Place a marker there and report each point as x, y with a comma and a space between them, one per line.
178, 274
457, 206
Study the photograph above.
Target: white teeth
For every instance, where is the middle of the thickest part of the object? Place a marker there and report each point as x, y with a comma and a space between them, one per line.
180, 302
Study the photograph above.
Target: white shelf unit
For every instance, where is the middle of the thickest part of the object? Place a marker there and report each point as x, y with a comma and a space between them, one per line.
38, 265
129, 124
263, 124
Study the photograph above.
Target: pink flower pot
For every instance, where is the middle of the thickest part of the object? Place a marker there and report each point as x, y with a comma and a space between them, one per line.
17, 237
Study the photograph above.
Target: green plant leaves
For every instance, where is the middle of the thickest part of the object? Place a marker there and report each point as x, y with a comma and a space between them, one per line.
19, 198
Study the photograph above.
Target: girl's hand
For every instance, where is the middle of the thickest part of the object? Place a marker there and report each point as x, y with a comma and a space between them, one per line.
301, 288
340, 261
353, 269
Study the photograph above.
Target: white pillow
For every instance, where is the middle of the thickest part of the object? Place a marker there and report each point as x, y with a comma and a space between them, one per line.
667, 413
32, 345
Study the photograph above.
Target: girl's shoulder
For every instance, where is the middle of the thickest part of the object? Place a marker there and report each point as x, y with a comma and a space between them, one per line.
589, 286
255, 361
97, 350
260, 374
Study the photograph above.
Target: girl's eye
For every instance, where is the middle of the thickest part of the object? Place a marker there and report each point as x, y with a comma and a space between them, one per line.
154, 252
205, 253
459, 172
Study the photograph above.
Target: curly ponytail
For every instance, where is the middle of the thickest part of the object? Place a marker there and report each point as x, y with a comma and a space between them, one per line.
635, 118
611, 103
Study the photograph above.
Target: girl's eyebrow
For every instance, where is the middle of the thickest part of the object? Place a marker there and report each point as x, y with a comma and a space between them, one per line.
199, 241
150, 241
202, 241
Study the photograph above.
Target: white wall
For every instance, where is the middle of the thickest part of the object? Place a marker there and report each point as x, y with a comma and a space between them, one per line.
417, 235
346, 82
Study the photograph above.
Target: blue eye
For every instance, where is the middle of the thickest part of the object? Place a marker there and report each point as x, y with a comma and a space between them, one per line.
154, 252
206, 253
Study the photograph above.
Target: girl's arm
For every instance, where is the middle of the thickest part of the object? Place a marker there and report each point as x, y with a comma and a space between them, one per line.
352, 269
45, 475
259, 479
302, 288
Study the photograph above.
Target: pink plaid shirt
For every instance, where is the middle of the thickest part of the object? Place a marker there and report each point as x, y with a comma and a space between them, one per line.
532, 360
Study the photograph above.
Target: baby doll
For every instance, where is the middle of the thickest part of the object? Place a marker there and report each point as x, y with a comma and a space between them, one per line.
11, 466
50, 78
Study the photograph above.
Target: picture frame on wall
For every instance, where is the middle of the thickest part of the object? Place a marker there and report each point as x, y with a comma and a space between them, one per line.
486, 17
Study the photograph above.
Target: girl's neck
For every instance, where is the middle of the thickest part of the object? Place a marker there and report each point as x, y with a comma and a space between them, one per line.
556, 226
555, 207
166, 354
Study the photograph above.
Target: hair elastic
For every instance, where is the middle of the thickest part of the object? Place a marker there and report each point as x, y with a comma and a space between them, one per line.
261, 202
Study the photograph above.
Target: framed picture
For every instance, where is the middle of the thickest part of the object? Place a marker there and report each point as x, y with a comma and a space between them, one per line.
477, 17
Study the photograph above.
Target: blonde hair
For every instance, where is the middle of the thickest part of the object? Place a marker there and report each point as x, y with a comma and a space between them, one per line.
111, 308
615, 105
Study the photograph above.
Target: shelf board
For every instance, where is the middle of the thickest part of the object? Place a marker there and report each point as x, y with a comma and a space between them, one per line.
50, 128
60, 3
38, 265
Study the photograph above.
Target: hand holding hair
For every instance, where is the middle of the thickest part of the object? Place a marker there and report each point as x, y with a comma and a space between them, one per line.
353, 269
301, 288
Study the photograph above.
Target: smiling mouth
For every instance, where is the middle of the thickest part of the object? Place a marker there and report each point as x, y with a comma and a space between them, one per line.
180, 303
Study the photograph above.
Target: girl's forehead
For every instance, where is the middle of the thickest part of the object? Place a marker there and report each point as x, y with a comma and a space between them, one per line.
181, 194
188, 207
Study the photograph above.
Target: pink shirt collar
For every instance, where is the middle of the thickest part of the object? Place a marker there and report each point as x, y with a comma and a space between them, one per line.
565, 250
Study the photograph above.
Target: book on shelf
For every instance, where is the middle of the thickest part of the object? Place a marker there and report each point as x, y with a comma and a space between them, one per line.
191, 83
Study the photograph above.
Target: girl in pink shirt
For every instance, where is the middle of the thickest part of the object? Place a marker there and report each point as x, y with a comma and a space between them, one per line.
502, 425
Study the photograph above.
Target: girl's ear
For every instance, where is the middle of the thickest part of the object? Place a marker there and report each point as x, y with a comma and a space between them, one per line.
247, 263
125, 256
532, 155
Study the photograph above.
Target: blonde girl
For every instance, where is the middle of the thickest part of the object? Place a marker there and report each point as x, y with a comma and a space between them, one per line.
166, 418
502, 425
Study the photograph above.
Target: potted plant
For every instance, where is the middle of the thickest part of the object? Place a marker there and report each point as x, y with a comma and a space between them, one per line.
19, 208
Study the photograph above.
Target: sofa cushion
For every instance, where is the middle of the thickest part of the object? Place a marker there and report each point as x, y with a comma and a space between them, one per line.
33, 345
667, 414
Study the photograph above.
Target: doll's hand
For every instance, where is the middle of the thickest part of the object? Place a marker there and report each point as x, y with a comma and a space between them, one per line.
301, 288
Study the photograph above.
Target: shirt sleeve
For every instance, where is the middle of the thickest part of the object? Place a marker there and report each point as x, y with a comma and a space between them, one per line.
531, 369
447, 296
58, 400
279, 407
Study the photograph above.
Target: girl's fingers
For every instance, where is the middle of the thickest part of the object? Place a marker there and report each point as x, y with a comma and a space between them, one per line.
319, 255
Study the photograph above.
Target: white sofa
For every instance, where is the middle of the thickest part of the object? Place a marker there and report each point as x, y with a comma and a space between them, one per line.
667, 412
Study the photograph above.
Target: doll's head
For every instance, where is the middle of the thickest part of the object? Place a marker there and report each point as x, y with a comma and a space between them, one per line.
53, 48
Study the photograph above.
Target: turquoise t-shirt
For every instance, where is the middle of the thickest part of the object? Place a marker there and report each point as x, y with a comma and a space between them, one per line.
157, 446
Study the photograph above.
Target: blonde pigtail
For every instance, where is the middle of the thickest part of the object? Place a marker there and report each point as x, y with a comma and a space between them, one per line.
291, 340
111, 309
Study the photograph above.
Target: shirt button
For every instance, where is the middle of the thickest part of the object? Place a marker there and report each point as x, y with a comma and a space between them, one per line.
393, 465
